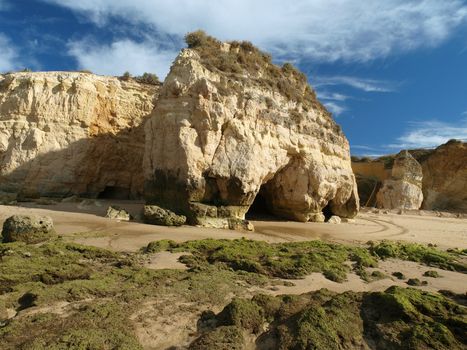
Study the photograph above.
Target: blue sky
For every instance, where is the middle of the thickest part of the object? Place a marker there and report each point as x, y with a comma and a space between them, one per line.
393, 72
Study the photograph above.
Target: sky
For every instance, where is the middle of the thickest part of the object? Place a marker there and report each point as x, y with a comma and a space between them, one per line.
392, 72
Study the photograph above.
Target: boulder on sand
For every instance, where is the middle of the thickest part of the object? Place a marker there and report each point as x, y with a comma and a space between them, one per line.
117, 213
28, 228
155, 215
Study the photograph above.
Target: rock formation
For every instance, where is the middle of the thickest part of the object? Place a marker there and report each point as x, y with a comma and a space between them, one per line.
445, 178
404, 189
230, 126
64, 133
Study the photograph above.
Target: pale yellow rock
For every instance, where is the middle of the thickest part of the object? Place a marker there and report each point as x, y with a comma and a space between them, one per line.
65, 133
404, 189
445, 178
219, 138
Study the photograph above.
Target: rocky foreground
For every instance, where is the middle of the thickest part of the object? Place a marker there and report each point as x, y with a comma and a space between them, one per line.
62, 295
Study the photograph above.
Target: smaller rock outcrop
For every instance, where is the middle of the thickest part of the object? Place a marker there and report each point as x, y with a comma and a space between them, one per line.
30, 229
155, 215
404, 189
116, 213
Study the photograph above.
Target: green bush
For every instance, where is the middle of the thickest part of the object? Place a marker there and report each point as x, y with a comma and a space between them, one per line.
148, 78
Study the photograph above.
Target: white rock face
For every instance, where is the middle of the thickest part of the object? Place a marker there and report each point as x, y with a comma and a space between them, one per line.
64, 133
218, 139
404, 189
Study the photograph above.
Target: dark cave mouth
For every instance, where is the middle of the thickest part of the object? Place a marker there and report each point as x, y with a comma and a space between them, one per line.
114, 192
260, 209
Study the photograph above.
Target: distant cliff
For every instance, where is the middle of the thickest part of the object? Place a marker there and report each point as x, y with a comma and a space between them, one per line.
444, 172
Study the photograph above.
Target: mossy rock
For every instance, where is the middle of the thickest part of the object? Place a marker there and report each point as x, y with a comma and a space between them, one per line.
222, 338
30, 229
432, 274
399, 275
242, 313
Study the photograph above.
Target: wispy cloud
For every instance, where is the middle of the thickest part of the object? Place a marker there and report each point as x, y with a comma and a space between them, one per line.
121, 56
321, 30
8, 56
367, 85
335, 108
429, 134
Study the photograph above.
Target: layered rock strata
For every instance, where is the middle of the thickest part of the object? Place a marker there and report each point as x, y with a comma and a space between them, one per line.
229, 126
65, 133
404, 189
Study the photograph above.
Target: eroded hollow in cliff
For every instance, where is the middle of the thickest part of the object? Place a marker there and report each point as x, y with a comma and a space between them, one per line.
259, 209
327, 212
114, 192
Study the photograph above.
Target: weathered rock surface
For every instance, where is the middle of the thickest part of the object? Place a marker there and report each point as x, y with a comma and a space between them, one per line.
155, 215
27, 228
116, 213
404, 189
334, 220
221, 132
445, 178
64, 133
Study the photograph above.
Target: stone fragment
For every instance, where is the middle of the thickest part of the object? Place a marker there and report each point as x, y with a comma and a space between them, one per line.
156, 215
30, 229
334, 220
117, 213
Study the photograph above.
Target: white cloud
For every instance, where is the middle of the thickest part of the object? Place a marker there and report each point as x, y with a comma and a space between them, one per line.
335, 108
121, 56
367, 85
321, 30
8, 55
332, 96
431, 134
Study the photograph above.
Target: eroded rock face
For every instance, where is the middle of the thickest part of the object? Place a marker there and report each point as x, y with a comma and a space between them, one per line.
404, 189
64, 133
445, 178
219, 137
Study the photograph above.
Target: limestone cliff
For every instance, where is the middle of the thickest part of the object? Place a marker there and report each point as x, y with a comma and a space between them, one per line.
445, 178
230, 126
64, 133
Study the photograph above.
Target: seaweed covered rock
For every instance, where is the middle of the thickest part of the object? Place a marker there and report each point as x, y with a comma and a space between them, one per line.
155, 215
404, 189
27, 228
229, 125
397, 318
222, 338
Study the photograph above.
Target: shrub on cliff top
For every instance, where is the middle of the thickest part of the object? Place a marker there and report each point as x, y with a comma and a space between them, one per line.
148, 78
242, 58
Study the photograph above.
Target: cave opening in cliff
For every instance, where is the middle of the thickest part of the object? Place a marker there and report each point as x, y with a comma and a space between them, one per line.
327, 212
259, 209
114, 192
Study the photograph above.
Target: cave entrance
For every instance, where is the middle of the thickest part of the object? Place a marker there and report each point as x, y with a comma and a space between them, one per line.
114, 192
327, 212
259, 209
